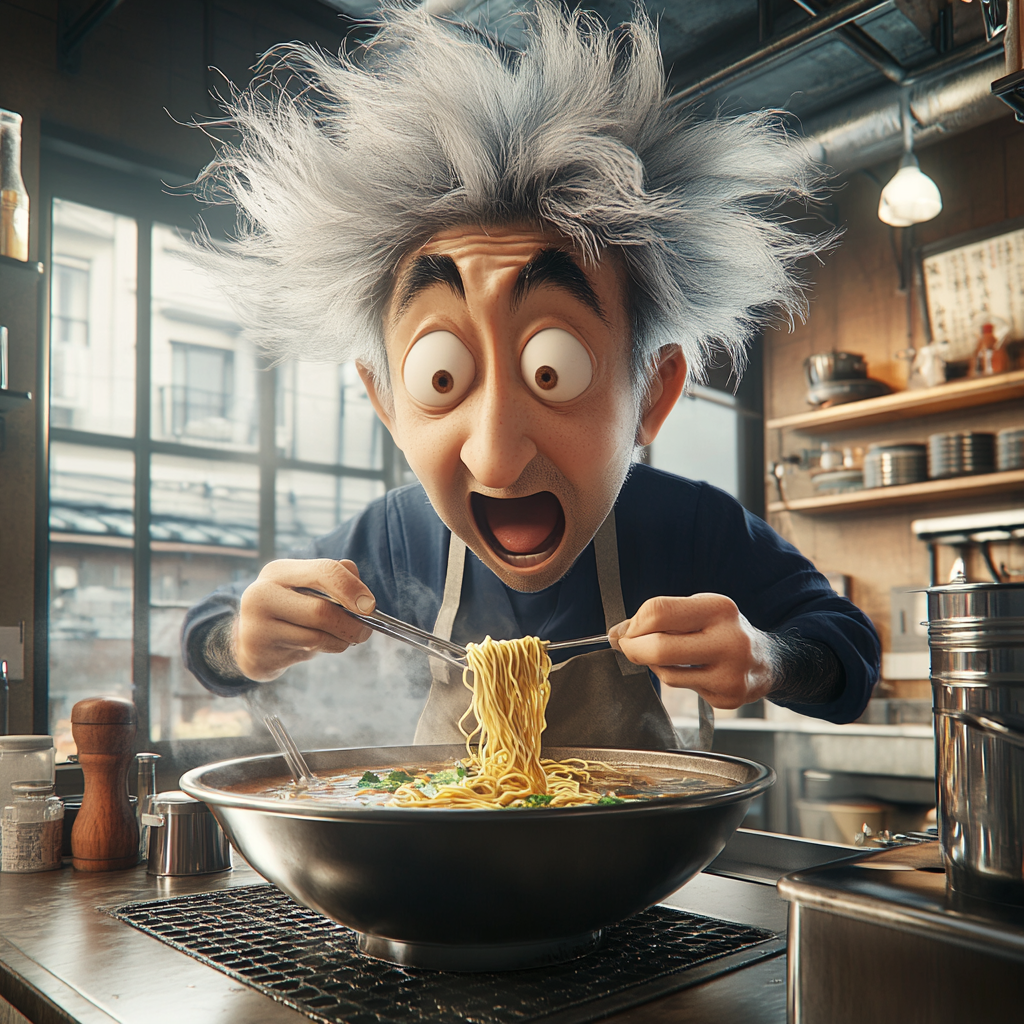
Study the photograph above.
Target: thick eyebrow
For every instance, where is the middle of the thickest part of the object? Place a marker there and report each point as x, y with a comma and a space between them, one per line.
426, 271
558, 268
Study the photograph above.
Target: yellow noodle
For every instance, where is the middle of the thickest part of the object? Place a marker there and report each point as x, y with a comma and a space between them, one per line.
510, 687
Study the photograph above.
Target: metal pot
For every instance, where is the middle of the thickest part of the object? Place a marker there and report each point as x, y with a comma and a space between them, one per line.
823, 367
976, 636
472, 889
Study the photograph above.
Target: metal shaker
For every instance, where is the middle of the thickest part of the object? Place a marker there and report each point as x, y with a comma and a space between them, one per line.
184, 837
976, 636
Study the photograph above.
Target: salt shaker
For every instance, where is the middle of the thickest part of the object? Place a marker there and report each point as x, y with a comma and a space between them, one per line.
33, 828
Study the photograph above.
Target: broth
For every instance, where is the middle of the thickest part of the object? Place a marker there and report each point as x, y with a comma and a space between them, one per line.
373, 787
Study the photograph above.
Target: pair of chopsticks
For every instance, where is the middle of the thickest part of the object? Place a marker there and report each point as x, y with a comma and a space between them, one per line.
435, 646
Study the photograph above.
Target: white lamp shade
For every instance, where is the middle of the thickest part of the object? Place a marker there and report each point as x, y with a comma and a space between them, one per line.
911, 197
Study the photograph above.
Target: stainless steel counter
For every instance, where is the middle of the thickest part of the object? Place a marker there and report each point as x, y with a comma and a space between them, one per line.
62, 960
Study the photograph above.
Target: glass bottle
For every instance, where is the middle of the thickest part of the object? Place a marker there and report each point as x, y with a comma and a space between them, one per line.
13, 197
33, 828
145, 789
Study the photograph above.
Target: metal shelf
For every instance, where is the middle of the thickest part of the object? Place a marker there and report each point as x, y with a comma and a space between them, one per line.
954, 488
905, 405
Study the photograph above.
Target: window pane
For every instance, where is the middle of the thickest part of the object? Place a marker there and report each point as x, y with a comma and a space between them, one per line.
699, 440
324, 415
92, 319
204, 530
204, 372
312, 504
91, 541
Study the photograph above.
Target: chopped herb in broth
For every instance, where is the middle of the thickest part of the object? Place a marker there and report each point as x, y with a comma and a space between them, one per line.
373, 787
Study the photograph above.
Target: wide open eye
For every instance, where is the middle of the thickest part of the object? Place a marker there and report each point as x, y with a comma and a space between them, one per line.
438, 369
556, 365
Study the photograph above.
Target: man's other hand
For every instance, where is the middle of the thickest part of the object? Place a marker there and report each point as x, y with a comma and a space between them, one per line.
703, 643
276, 627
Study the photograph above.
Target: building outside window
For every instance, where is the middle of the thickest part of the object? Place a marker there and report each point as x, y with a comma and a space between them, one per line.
178, 460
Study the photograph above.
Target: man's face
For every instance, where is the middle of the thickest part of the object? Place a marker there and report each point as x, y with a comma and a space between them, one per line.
512, 399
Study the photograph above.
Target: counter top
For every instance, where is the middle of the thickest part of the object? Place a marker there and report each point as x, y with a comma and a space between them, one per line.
63, 960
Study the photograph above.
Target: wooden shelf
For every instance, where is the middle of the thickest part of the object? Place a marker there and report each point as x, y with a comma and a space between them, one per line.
907, 494
905, 405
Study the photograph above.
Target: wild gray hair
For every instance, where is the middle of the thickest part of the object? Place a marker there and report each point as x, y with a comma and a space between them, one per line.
343, 165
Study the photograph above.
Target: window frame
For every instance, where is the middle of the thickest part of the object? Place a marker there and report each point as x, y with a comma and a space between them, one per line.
131, 187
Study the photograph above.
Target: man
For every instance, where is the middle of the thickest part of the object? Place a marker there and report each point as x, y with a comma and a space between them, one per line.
529, 256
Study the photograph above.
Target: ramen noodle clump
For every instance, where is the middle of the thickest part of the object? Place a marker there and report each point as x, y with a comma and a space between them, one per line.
503, 767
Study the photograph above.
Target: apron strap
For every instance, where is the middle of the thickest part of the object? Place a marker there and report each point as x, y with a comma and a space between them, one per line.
606, 554
450, 600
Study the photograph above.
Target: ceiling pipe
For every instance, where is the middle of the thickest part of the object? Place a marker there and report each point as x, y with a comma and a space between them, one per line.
867, 131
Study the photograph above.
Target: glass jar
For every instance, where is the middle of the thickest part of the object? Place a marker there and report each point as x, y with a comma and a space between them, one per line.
33, 828
24, 757
13, 196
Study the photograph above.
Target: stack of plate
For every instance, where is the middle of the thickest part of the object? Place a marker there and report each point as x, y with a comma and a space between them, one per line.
888, 465
961, 454
1010, 448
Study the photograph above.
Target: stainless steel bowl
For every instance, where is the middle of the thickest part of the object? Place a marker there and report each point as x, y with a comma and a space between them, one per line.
478, 890
823, 367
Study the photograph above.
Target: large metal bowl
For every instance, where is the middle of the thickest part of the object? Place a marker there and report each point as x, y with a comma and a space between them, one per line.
474, 889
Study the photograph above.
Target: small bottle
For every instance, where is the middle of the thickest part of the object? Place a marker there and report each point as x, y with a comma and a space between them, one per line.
13, 196
145, 789
33, 828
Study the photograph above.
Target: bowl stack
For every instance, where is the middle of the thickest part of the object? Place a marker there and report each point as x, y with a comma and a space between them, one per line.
962, 453
889, 465
1010, 448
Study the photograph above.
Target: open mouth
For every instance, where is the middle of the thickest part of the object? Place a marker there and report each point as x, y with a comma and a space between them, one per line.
522, 532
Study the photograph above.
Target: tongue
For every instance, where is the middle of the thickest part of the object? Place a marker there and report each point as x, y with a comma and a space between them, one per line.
522, 525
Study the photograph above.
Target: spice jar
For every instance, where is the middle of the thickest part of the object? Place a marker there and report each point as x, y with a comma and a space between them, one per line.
32, 828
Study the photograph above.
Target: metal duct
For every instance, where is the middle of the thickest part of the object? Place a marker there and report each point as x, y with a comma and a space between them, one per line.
867, 130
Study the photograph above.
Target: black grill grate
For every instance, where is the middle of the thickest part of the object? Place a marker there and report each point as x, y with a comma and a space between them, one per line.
261, 937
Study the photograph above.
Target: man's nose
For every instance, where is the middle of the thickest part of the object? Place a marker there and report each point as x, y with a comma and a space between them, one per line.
498, 446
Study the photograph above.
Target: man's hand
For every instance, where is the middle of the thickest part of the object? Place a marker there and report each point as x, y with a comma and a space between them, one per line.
702, 643
277, 627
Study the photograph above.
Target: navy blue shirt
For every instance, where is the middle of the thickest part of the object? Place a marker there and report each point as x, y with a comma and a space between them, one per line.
675, 538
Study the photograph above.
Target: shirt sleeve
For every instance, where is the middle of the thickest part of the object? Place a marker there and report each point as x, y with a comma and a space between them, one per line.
780, 591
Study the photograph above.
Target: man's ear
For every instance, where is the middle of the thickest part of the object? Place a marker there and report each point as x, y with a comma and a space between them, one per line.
383, 408
663, 391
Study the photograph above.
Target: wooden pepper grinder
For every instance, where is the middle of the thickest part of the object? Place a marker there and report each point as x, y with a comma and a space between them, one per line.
105, 836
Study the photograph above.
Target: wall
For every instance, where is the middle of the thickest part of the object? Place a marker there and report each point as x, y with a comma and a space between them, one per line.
856, 307
139, 73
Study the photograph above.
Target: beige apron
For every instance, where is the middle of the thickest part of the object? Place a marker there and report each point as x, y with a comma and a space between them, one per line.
599, 699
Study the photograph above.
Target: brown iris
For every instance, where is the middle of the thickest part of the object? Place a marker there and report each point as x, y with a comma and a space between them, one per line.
546, 377
443, 382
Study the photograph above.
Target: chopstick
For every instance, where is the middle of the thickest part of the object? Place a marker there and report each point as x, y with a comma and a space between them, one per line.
429, 643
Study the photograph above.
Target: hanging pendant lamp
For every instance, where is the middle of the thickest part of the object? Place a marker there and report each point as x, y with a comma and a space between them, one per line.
910, 197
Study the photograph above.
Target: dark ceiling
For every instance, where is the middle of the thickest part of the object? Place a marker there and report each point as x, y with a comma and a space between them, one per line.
894, 42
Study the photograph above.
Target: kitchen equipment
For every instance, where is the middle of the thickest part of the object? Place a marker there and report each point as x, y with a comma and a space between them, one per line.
477, 890
839, 392
24, 757
1010, 449
976, 638
824, 367
435, 646
889, 465
105, 836
33, 828
838, 481
960, 453
881, 938
145, 787
290, 751
184, 837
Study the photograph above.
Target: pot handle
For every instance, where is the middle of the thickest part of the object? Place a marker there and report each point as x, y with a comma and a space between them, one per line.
991, 723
